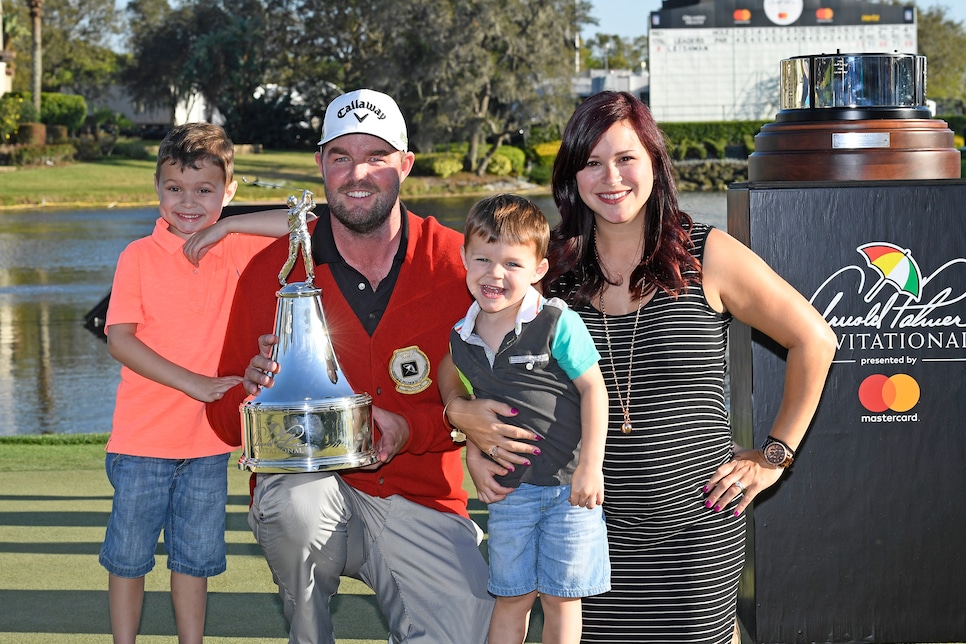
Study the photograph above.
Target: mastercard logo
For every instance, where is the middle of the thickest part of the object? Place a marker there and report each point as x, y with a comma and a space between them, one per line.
742, 15
900, 392
824, 13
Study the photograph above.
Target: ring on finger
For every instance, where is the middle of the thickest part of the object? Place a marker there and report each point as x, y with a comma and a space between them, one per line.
737, 484
493, 450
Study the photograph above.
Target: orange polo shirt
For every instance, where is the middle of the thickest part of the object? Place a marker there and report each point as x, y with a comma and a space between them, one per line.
181, 312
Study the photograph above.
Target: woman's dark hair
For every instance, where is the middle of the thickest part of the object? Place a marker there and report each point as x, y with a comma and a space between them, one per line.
666, 263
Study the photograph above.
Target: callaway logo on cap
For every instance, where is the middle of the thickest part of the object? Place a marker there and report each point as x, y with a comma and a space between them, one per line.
365, 111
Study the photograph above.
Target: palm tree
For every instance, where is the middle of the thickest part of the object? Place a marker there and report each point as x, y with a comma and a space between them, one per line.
36, 11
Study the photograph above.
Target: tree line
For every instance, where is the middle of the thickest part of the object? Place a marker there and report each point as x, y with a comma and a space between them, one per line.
477, 71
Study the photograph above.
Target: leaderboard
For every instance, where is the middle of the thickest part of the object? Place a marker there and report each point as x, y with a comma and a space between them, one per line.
719, 60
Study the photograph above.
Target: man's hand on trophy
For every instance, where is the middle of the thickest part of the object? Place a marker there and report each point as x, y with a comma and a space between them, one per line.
259, 372
393, 435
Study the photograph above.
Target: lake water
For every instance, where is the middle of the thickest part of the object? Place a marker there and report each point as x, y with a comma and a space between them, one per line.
55, 265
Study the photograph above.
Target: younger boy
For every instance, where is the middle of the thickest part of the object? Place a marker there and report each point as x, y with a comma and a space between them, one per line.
167, 466
547, 536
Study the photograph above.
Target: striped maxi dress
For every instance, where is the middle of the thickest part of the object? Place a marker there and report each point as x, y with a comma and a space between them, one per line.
674, 563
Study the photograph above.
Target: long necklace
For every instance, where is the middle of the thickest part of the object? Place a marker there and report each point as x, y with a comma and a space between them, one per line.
626, 426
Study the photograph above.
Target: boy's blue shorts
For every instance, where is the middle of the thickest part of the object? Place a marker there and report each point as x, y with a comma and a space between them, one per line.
538, 541
185, 497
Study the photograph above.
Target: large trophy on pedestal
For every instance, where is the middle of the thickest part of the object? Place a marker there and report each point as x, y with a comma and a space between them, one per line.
310, 420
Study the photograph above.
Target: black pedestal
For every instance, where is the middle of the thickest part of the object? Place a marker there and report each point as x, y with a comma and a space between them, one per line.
864, 539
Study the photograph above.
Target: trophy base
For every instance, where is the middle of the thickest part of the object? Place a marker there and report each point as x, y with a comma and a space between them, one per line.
314, 436
881, 149
321, 464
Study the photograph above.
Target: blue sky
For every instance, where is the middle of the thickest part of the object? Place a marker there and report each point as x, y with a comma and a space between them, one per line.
628, 18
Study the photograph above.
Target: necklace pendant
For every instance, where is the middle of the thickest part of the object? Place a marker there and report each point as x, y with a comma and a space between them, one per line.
626, 427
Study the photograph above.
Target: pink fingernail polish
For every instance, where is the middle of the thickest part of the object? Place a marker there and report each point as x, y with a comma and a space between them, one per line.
737, 513
527, 463
707, 504
514, 411
717, 508
705, 489
536, 451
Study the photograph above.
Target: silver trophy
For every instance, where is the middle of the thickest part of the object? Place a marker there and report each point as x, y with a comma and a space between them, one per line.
310, 420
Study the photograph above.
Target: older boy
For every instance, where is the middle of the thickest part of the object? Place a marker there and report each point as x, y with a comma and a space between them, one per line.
166, 325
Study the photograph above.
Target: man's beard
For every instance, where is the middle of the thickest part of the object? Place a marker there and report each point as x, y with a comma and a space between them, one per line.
364, 221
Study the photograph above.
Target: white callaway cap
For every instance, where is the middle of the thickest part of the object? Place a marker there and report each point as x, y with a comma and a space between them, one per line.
365, 111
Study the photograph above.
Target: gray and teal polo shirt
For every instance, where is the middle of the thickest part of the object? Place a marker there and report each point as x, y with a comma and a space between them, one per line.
533, 371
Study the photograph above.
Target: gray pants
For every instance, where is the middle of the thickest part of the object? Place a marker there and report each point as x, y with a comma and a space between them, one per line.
424, 565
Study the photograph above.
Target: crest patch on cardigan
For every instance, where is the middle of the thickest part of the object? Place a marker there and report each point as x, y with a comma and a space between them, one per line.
409, 368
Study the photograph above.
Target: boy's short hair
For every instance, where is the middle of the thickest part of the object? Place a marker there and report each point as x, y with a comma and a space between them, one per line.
190, 144
508, 218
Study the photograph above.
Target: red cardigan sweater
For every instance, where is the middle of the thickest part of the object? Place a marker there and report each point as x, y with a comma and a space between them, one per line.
429, 297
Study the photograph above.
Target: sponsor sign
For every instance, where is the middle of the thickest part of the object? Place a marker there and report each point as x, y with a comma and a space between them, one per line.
854, 544
899, 312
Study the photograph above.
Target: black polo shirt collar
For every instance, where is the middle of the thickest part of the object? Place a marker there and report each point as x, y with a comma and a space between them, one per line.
367, 304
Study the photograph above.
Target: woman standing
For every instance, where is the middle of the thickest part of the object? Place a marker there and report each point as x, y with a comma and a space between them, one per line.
657, 292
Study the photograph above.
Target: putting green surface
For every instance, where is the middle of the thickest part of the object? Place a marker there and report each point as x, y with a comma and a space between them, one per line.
54, 503
52, 589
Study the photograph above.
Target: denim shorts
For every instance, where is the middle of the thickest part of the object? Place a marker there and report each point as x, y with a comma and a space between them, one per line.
184, 497
538, 541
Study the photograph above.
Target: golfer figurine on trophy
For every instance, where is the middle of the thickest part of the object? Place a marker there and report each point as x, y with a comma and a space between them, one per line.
298, 235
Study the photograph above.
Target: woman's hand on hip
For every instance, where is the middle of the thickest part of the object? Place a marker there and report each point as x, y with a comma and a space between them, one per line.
746, 475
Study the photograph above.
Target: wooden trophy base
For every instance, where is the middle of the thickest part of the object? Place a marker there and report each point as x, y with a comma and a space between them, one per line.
854, 150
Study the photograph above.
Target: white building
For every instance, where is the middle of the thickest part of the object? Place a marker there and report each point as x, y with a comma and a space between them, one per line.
6, 74
192, 110
621, 80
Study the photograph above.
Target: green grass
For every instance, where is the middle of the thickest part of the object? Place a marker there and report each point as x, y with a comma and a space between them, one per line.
117, 181
130, 182
56, 439
53, 508
52, 452
54, 504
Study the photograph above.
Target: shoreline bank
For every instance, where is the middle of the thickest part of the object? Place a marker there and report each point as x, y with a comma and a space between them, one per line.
414, 188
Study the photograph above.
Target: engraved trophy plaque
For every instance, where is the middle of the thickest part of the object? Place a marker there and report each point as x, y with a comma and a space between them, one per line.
309, 420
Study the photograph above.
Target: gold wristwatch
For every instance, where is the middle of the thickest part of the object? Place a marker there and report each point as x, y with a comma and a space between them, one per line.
777, 453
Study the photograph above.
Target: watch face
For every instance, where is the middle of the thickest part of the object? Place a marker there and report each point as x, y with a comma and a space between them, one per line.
774, 453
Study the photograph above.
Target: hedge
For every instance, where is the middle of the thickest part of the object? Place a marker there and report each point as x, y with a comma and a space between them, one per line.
27, 155
516, 157
499, 165
956, 123
32, 134
728, 131
438, 164
69, 110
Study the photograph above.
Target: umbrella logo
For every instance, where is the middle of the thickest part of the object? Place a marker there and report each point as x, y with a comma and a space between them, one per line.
895, 266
